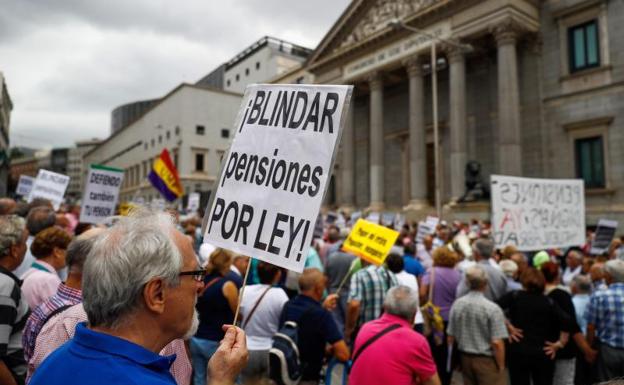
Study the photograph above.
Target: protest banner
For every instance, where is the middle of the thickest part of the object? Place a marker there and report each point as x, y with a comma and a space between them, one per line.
605, 231
100, 194
426, 227
276, 172
193, 202
387, 219
49, 185
370, 241
24, 185
535, 214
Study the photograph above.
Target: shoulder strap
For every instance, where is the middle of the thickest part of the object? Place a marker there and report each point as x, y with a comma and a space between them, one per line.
55, 312
255, 307
373, 339
210, 283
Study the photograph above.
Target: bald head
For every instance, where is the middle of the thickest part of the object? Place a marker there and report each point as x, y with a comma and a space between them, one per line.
312, 283
596, 271
7, 206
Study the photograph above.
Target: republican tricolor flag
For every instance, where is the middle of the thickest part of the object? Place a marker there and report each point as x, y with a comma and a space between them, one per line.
164, 177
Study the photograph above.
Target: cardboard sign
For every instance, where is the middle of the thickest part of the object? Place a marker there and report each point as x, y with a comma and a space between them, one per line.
193, 202
370, 241
49, 185
24, 185
427, 227
101, 194
275, 175
536, 214
604, 235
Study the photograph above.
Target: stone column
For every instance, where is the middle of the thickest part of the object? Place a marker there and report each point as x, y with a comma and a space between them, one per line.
376, 140
417, 136
509, 140
347, 165
457, 63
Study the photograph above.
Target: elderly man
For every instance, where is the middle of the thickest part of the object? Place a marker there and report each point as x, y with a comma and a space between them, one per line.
68, 293
141, 286
316, 326
13, 306
482, 250
574, 262
7, 206
605, 317
478, 326
39, 218
389, 351
510, 269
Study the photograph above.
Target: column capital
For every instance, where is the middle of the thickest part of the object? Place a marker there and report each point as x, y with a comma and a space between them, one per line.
413, 66
375, 80
506, 32
454, 54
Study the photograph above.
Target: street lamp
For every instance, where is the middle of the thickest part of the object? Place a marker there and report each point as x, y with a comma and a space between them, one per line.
398, 24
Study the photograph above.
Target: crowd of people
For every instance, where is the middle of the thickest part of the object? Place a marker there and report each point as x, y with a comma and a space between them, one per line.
143, 300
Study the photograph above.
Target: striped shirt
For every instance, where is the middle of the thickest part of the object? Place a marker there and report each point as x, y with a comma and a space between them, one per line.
13, 315
369, 287
65, 296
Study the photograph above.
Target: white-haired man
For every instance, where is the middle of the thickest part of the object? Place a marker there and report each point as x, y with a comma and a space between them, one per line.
478, 326
141, 282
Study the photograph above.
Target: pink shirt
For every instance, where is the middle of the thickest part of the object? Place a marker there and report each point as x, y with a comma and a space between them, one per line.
400, 357
39, 285
62, 327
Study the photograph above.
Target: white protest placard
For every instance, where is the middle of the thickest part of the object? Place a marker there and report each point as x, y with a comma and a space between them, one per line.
100, 194
536, 214
49, 185
24, 185
193, 202
605, 231
276, 173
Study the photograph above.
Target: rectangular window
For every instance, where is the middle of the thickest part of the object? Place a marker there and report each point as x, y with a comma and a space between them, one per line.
584, 46
175, 158
200, 130
199, 162
225, 133
590, 161
257, 65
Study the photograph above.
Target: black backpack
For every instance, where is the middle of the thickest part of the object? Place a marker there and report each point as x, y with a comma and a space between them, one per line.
285, 366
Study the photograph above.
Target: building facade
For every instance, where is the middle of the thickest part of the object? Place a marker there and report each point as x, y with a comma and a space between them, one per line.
6, 105
127, 113
194, 123
76, 167
539, 94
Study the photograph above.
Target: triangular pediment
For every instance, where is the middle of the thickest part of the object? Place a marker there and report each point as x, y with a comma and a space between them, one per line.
364, 20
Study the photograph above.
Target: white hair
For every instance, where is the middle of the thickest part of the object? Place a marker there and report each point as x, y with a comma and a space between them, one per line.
123, 259
615, 268
509, 267
11, 232
401, 301
476, 277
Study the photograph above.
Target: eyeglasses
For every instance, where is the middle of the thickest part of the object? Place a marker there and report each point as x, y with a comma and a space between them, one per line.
198, 275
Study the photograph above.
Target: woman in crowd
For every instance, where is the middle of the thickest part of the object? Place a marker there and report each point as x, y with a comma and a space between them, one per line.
216, 306
565, 363
261, 307
537, 328
42, 280
440, 284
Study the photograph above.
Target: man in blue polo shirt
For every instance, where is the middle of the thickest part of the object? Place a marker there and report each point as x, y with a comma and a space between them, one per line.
316, 325
141, 282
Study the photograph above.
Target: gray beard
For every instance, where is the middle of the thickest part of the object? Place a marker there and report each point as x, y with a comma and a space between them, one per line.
194, 325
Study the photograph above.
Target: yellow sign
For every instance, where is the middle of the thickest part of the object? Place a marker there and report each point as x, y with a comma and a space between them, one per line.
370, 241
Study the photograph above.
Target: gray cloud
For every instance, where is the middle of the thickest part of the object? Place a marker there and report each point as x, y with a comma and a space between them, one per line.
68, 63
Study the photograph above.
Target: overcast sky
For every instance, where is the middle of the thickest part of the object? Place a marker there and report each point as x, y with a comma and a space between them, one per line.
68, 63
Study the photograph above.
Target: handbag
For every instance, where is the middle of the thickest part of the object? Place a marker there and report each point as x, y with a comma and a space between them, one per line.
433, 321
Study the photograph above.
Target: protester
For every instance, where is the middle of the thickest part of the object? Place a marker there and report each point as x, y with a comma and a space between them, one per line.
412, 265
597, 275
41, 281
337, 270
39, 218
68, 294
7, 206
316, 326
540, 258
388, 351
261, 307
424, 251
534, 320
239, 264
333, 237
521, 260
510, 269
478, 326
482, 251
581, 290
574, 266
605, 317
367, 291
395, 265
216, 306
439, 286
141, 285
13, 306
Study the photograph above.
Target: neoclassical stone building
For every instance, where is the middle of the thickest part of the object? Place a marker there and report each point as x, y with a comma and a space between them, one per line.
541, 94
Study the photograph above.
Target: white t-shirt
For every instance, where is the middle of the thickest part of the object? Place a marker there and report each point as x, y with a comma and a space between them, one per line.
264, 321
409, 280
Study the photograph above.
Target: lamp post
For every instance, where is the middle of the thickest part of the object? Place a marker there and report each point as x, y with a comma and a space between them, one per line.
397, 24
